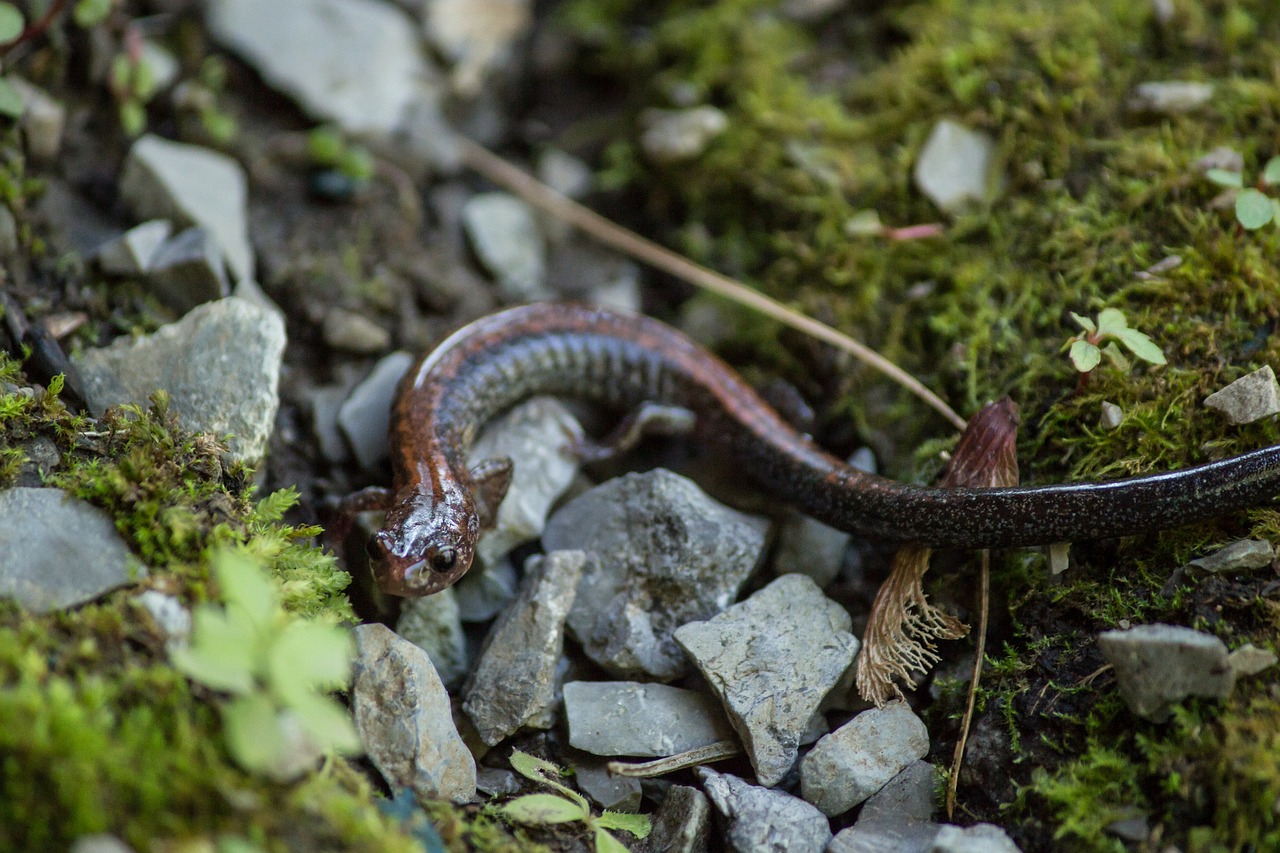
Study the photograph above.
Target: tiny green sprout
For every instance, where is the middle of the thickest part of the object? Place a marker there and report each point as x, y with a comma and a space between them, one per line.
277, 668
1086, 351
133, 84
12, 25
328, 149
90, 13
567, 806
1253, 207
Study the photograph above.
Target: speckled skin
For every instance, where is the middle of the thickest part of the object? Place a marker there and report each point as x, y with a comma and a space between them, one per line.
620, 360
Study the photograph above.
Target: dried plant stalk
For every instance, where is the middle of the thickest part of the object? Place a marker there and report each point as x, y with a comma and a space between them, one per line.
902, 630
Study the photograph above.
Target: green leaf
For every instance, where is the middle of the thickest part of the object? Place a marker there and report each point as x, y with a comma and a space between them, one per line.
1083, 322
356, 163
252, 727
1113, 354
1271, 172
309, 656
11, 22
1253, 209
1224, 178
538, 770
1141, 346
244, 584
638, 825
1085, 356
10, 101
133, 117
1111, 321
606, 843
327, 724
325, 145
88, 13
223, 650
543, 809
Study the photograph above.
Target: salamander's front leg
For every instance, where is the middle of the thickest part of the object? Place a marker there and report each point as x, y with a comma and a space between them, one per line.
648, 419
339, 514
489, 482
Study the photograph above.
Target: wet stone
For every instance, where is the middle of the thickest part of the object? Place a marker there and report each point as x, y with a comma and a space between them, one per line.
859, 758
513, 684
220, 364
1250, 398
57, 552
1159, 665
760, 820
402, 713
644, 720
682, 823
365, 417
771, 660
1242, 555
432, 623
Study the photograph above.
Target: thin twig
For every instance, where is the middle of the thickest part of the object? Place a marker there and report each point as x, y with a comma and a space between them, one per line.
717, 751
628, 242
984, 608
37, 28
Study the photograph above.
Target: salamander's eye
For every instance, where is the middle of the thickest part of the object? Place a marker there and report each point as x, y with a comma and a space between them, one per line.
442, 559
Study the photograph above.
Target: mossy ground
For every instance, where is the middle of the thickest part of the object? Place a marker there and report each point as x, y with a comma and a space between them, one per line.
826, 120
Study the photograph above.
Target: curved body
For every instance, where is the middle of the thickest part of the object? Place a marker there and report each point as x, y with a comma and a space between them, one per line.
622, 360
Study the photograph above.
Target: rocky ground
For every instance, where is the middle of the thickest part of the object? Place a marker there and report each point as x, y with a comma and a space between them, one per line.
264, 210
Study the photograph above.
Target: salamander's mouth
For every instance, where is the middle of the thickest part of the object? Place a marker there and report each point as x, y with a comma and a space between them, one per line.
415, 579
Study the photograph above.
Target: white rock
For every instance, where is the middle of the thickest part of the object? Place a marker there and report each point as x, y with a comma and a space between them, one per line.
132, 251
169, 614
671, 136
1250, 398
365, 417
504, 233
1170, 96
979, 838
954, 166
859, 758
1158, 665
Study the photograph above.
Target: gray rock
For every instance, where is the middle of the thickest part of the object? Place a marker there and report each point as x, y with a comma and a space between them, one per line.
163, 65
43, 120
1111, 416
859, 758
354, 332
590, 273
1158, 665
907, 797
514, 680
564, 173
979, 838
616, 793
131, 253
220, 364
56, 551
535, 436
771, 660
763, 821
432, 624
191, 186
673, 136
365, 417
885, 837
187, 270
1241, 555
476, 37
100, 843
359, 63
173, 620
1250, 398
647, 720
496, 782
954, 167
682, 823
504, 234
1250, 660
485, 591
402, 713
325, 403
1169, 97
660, 553
807, 546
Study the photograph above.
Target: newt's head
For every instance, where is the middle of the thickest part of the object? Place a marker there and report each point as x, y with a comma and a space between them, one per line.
424, 545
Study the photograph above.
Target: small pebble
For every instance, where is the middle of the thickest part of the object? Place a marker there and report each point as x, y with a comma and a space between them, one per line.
1250, 398
352, 331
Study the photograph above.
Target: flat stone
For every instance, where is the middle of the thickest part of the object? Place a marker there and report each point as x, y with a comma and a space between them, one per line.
1159, 665
760, 820
660, 553
979, 838
682, 823
58, 552
220, 364
191, 186
954, 167
365, 417
1169, 97
476, 37
358, 63
513, 684
859, 758
325, 402
353, 332
674, 136
1250, 398
432, 623
613, 718
1250, 660
187, 270
130, 254
496, 782
504, 234
486, 591
771, 660
535, 436
1241, 555
616, 793
907, 797
885, 837
402, 713
807, 546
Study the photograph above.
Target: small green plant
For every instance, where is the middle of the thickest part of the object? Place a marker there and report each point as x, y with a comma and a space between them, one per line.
133, 84
328, 149
568, 806
1087, 350
1254, 208
276, 666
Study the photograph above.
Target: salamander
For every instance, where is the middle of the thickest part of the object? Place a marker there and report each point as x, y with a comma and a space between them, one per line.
438, 505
